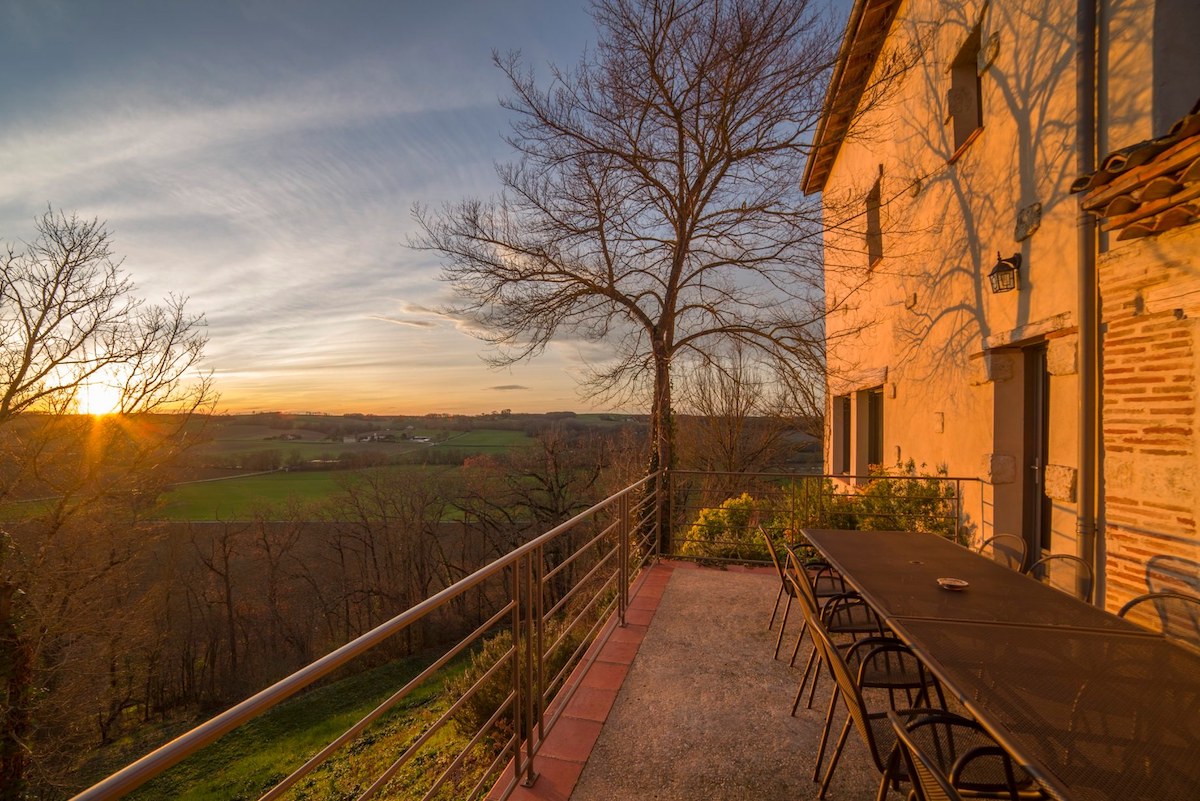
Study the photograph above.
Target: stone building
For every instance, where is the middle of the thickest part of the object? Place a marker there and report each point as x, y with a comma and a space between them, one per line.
978, 319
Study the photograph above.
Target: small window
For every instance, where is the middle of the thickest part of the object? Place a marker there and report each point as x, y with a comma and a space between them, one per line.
874, 227
964, 100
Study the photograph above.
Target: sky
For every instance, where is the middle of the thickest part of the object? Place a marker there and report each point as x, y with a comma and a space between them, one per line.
261, 158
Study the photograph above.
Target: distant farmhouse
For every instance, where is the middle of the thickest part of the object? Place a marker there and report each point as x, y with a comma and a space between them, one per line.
1005, 299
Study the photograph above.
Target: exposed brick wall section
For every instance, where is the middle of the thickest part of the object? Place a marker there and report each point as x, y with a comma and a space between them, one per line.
1150, 296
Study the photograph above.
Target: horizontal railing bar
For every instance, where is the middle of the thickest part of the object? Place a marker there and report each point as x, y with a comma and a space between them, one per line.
513, 744
462, 755
584, 643
571, 592
426, 735
579, 552
842, 476
571, 625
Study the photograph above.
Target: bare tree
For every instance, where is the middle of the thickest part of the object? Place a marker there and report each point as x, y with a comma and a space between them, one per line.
69, 579
655, 206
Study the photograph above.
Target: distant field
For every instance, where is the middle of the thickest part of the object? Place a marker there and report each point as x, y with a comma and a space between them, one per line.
239, 498
489, 438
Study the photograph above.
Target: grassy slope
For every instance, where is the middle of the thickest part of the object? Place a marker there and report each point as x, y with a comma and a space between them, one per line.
244, 763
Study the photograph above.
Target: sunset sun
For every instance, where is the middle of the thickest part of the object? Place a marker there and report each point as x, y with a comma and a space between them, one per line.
100, 399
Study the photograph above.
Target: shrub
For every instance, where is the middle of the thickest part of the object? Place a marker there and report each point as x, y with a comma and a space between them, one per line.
909, 500
729, 531
480, 707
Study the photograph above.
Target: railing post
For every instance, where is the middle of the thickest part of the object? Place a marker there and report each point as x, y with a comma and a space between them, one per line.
522, 667
663, 488
623, 535
527, 687
538, 586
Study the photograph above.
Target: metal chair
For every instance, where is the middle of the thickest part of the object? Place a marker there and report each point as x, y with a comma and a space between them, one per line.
842, 613
784, 588
1175, 614
1008, 547
948, 758
874, 727
1063, 570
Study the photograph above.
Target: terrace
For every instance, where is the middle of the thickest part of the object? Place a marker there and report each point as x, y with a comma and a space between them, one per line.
620, 670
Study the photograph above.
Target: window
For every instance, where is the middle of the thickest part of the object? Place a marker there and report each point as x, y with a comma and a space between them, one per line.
841, 435
857, 432
874, 228
964, 100
875, 427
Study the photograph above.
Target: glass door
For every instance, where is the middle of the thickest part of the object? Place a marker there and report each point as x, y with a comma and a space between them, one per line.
1037, 506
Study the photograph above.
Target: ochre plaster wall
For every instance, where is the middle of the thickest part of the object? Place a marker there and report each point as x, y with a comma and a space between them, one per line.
924, 312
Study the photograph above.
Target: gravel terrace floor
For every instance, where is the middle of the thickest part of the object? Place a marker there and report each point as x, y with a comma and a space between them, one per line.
703, 709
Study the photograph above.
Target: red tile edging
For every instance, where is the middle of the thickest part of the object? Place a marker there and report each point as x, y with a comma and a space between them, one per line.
561, 757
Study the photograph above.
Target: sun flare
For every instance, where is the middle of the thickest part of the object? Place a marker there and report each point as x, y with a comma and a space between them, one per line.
100, 399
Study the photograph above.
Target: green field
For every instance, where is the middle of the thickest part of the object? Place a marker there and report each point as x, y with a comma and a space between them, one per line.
488, 438
239, 498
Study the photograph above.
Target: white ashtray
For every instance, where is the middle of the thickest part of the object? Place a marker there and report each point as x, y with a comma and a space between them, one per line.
952, 584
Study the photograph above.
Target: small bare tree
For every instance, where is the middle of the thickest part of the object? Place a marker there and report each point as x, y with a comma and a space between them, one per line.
655, 206
738, 418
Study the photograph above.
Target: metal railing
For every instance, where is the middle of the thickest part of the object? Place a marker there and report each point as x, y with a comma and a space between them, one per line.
562, 589
715, 516
556, 595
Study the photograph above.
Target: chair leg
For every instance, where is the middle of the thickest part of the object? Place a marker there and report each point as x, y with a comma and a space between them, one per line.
782, 627
890, 773
837, 754
775, 608
812, 690
825, 732
799, 638
808, 666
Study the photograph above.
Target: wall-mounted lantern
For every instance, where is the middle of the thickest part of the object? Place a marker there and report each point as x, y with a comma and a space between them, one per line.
1004, 276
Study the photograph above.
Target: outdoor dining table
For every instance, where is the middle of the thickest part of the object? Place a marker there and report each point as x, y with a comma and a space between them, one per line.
1093, 706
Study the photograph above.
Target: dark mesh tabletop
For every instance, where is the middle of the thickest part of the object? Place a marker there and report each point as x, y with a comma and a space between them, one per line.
1106, 715
897, 572
1094, 706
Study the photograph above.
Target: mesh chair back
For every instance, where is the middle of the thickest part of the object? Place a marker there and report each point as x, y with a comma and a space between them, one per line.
774, 556
1007, 549
929, 783
1174, 614
1065, 572
800, 581
948, 756
850, 693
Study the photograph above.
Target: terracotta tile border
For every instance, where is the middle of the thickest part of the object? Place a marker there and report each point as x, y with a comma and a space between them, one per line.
560, 759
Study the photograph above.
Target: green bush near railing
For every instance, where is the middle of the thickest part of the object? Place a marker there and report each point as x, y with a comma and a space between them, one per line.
904, 499
729, 531
910, 500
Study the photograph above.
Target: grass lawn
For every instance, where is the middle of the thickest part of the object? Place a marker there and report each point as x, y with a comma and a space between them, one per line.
237, 498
